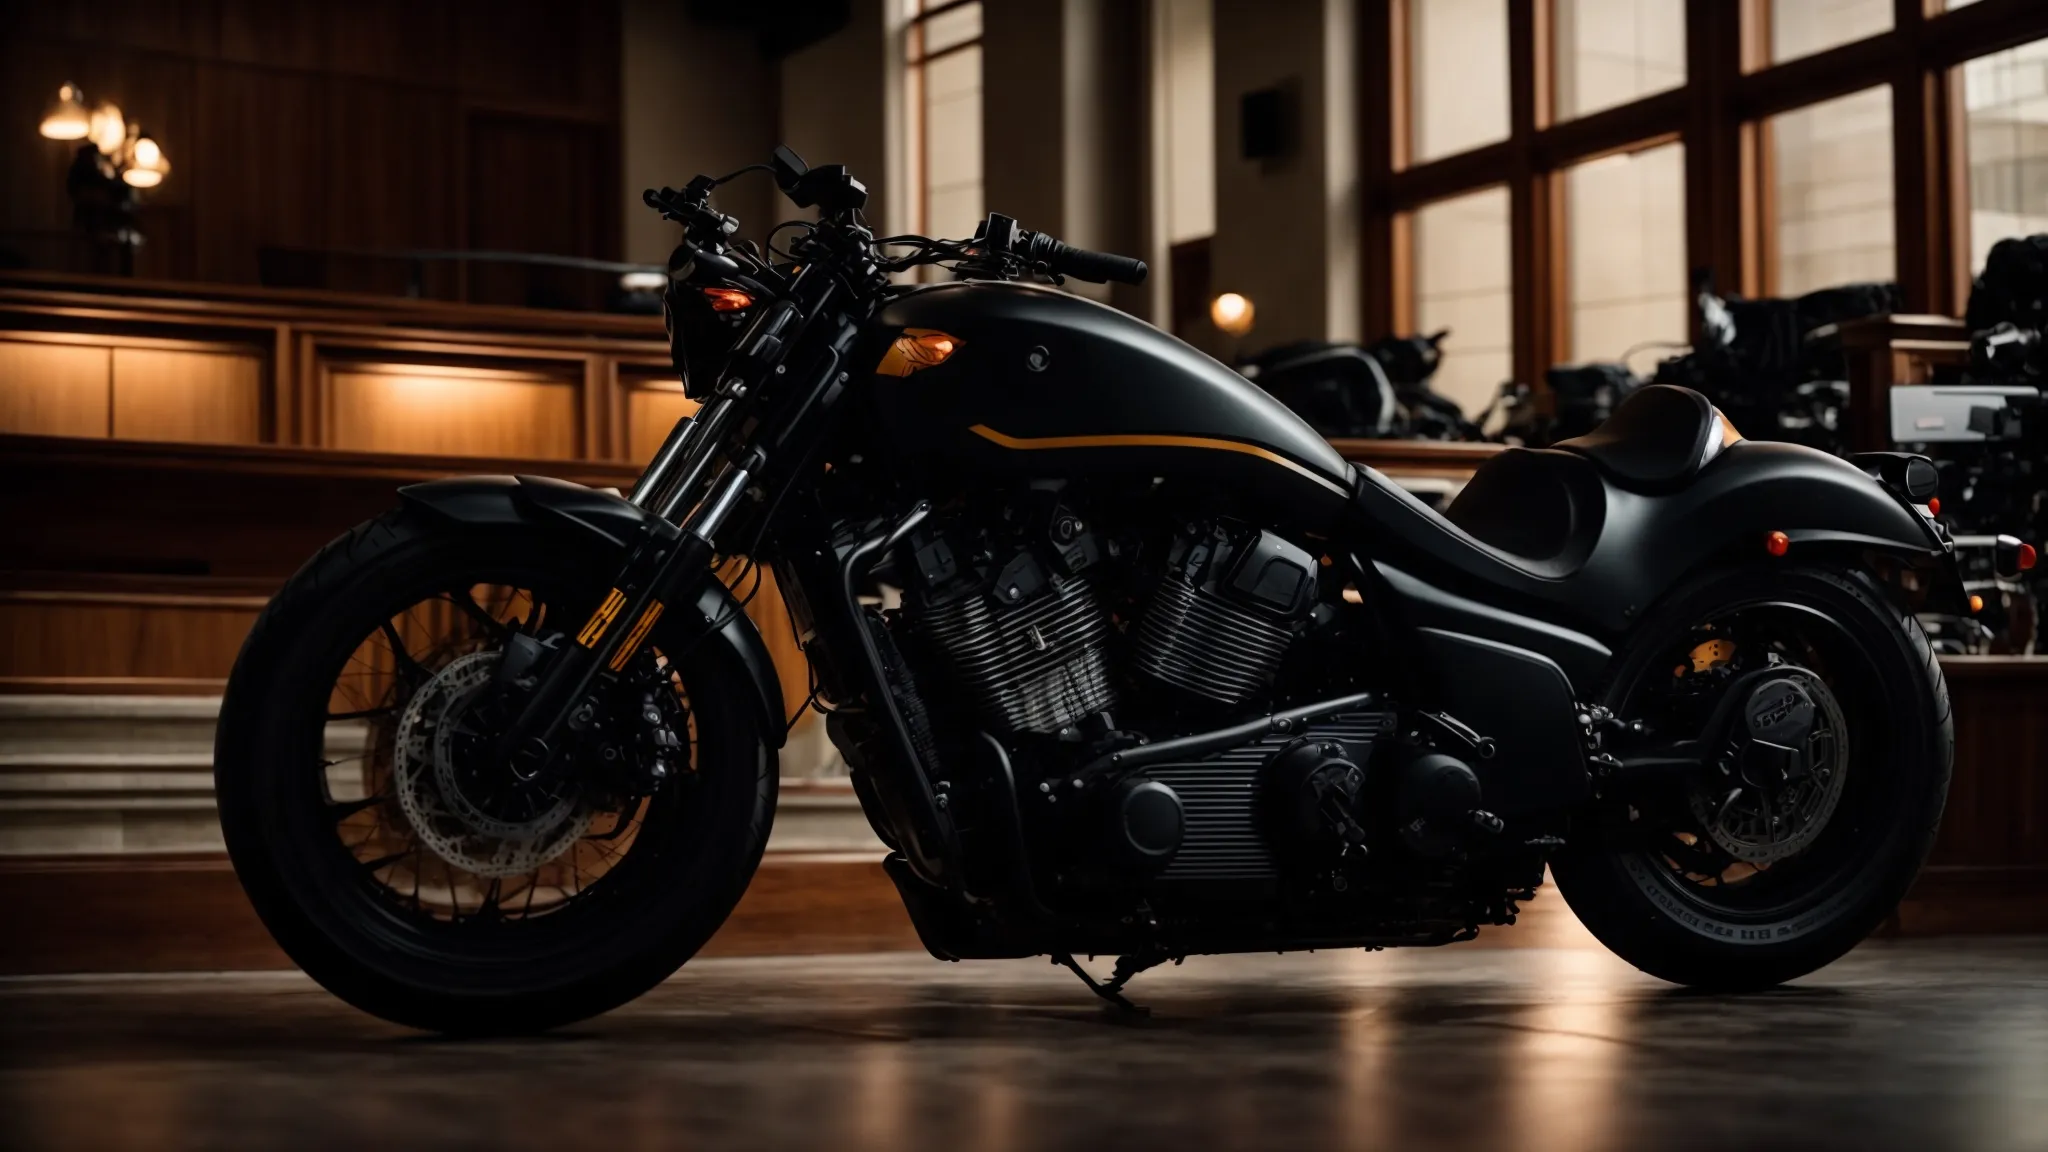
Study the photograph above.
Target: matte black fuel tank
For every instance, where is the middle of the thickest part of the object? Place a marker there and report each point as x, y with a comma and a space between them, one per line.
1046, 384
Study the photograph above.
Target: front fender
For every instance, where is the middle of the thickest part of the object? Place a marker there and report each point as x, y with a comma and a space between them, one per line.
608, 524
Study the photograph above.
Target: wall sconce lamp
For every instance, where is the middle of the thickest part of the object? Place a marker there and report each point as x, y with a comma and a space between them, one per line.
115, 157
1231, 314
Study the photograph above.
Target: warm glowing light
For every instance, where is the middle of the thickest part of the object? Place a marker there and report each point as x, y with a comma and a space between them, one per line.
147, 166
1231, 313
109, 130
643, 281
67, 118
2028, 557
1976, 602
728, 299
1934, 505
916, 350
1777, 543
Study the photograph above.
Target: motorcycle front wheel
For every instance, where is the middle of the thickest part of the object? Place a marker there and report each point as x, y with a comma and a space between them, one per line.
395, 860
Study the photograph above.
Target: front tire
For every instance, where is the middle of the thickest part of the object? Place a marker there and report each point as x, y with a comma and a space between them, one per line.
467, 957
1685, 922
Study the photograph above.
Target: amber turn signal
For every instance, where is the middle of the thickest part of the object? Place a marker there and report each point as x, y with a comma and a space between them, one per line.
728, 299
916, 350
1777, 543
1976, 602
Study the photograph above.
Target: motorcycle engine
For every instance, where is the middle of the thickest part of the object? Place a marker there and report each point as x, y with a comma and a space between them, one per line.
1227, 607
1011, 611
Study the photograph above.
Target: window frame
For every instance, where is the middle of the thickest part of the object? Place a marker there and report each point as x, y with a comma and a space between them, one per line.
1721, 115
916, 140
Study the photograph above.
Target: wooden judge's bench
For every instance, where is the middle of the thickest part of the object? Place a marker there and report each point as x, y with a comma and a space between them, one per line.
169, 454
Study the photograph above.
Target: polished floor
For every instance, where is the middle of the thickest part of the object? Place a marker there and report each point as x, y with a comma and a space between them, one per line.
1908, 1045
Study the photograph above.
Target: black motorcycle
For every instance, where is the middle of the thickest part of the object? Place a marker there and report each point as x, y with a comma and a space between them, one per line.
1169, 676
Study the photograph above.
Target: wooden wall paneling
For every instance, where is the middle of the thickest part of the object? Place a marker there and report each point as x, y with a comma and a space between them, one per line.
1530, 231
450, 411
652, 407
1917, 167
207, 396
537, 185
307, 125
220, 511
281, 381
307, 417
103, 635
257, 174
391, 170
404, 42
1997, 813
596, 395
51, 389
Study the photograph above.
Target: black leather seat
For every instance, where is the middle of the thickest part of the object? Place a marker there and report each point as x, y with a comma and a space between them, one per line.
1542, 508
1654, 442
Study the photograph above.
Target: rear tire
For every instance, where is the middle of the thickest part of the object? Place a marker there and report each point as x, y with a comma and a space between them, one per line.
1901, 750
675, 882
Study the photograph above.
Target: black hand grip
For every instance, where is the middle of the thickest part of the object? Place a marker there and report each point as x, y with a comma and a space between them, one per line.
1083, 264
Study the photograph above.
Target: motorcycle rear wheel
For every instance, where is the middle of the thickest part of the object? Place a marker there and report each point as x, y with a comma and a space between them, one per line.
623, 900
1655, 897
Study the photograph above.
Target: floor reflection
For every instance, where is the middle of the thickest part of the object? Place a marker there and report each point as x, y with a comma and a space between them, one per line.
1900, 1045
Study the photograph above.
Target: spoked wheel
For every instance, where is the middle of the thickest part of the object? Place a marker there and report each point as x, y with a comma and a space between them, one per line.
395, 856
1826, 766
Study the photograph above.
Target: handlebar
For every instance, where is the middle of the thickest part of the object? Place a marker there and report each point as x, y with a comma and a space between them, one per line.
1082, 263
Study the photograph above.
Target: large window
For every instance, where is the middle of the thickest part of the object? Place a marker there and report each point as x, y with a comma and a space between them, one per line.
1610, 52
1604, 153
1461, 284
942, 94
1830, 194
1803, 27
1457, 75
1625, 253
2005, 97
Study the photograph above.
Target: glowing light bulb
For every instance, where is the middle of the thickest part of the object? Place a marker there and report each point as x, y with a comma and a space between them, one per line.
1231, 313
109, 129
66, 118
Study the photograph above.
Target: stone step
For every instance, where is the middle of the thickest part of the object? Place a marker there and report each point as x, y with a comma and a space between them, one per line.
110, 774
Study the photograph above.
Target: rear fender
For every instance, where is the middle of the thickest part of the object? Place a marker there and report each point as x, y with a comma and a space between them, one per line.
605, 522
1827, 508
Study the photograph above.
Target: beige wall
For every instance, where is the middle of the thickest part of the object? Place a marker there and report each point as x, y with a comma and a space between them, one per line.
1286, 229
833, 99
1064, 110
695, 99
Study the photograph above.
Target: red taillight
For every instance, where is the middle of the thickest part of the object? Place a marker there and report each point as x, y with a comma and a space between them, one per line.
1777, 543
728, 299
2027, 557
1934, 505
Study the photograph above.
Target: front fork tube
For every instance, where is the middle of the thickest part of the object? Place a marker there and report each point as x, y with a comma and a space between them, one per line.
661, 562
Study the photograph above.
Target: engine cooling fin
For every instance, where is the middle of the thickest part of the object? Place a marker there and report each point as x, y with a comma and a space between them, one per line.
1037, 667
1220, 800
1208, 646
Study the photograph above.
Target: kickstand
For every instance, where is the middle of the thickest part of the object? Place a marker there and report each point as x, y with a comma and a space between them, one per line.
1112, 989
